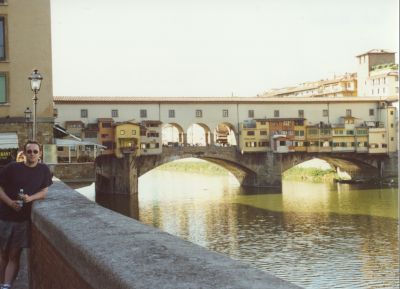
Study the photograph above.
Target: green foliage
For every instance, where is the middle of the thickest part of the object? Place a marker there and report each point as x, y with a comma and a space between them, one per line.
194, 167
309, 174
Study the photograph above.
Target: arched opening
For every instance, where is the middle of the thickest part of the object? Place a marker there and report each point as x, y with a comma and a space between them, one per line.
314, 170
198, 134
172, 134
225, 135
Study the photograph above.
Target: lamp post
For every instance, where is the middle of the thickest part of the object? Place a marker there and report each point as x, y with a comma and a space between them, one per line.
28, 116
36, 80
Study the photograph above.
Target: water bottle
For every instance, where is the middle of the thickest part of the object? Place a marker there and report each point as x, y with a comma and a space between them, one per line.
21, 195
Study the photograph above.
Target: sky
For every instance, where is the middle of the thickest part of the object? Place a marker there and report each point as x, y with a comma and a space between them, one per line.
211, 48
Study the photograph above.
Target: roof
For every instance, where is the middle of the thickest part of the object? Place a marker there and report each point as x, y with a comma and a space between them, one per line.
8, 140
223, 100
376, 51
60, 142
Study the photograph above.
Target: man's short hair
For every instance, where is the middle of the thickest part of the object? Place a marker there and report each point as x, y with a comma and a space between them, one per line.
32, 142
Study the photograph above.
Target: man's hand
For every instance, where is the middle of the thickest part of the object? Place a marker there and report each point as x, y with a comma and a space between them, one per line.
26, 198
14, 205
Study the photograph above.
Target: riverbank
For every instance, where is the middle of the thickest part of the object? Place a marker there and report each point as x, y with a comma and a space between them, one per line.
310, 175
194, 166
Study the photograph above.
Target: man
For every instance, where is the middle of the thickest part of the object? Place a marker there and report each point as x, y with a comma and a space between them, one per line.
31, 180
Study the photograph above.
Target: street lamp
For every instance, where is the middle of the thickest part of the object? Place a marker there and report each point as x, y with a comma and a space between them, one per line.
28, 116
35, 79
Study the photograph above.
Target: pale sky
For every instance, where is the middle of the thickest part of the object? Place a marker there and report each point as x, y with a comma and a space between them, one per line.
211, 47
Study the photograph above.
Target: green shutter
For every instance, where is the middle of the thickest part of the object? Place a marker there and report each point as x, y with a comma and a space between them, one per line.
3, 96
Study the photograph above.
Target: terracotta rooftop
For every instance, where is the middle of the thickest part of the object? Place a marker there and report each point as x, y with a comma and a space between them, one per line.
376, 51
222, 100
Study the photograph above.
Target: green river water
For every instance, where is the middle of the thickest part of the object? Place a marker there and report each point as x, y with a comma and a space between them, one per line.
314, 235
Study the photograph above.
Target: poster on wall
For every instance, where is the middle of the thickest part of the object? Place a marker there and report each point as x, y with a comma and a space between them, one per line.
7, 156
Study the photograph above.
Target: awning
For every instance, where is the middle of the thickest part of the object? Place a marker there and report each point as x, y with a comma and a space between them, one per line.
60, 142
8, 140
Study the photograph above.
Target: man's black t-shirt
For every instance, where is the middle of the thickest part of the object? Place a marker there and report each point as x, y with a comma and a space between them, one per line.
16, 176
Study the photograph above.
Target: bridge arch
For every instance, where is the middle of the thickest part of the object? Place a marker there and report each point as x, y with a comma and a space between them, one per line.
244, 174
195, 137
225, 134
172, 134
358, 167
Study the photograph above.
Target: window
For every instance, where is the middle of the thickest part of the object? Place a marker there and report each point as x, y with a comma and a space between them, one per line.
199, 113
143, 113
114, 113
301, 113
121, 132
106, 124
371, 111
348, 112
84, 113
133, 132
276, 113
250, 132
250, 113
3, 88
2, 38
391, 125
263, 132
171, 113
225, 113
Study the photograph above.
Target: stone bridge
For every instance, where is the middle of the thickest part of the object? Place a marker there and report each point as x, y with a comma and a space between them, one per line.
115, 175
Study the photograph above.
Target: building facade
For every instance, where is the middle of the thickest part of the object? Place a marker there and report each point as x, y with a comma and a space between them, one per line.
281, 125
25, 44
376, 75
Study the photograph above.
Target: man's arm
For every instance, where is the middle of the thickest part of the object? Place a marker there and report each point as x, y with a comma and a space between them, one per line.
6, 200
37, 196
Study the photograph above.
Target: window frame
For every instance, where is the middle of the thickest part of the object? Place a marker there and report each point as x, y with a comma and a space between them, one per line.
5, 75
3, 20
199, 113
143, 113
225, 113
171, 113
276, 113
250, 113
114, 113
84, 113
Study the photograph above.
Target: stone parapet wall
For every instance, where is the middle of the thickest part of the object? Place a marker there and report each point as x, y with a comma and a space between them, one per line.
78, 244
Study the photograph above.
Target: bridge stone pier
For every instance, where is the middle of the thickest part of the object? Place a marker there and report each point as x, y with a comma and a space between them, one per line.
120, 176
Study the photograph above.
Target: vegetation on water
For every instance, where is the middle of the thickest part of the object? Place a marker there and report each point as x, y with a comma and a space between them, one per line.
194, 167
310, 175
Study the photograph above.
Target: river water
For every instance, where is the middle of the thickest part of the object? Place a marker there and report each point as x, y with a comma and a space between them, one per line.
313, 235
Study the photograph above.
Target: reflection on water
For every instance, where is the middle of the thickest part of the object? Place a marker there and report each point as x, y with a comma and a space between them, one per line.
314, 235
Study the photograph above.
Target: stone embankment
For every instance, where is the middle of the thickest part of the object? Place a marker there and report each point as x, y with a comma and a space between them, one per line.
79, 244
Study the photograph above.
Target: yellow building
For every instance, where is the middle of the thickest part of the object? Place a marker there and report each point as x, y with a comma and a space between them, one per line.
127, 139
361, 139
25, 44
300, 135
343, 135
254, 136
